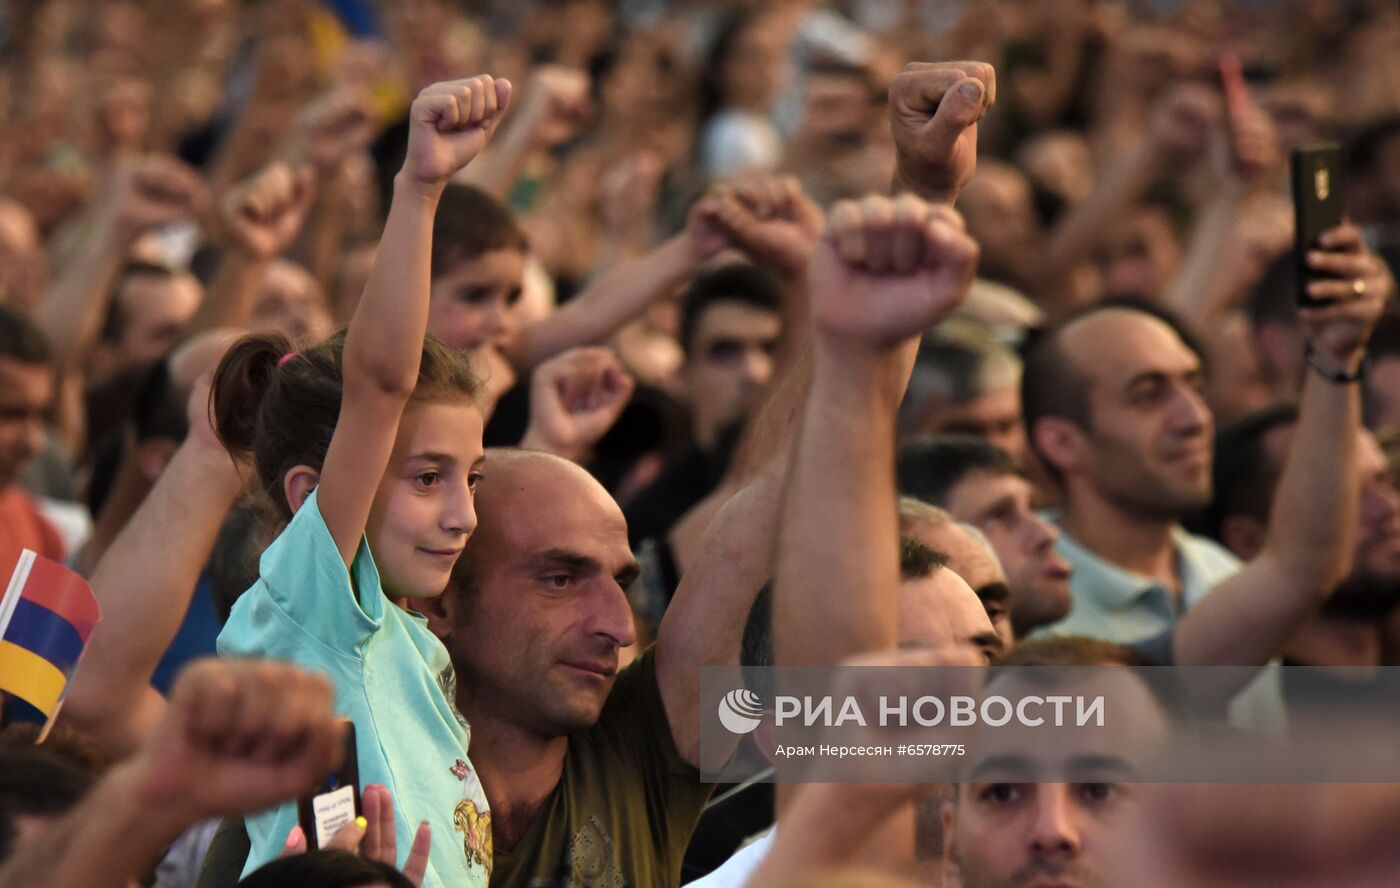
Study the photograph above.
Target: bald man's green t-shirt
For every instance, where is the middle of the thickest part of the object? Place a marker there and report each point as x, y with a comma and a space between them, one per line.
625, 807
622, 814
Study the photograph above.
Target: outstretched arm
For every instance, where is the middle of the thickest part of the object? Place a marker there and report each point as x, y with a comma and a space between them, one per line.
261, 217
1314, 516
554, 104
887, 270
736, 529
619, 294
143, 194
449, 124
144, 583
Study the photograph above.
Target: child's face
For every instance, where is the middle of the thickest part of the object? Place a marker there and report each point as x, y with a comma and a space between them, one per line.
424, 512
471, 301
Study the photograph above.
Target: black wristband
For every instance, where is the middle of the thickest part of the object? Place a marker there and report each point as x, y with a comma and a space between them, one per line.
1330, 373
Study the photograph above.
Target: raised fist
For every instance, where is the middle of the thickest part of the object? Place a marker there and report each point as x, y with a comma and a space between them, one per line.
334, 126
264, 214
556, 104
769, 217
1181, 123
239, 736
151, 192
934, 109
575, 398
450, 123
888, 269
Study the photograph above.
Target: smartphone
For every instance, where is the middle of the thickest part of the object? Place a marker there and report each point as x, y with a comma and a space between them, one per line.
1317, 206
335, 801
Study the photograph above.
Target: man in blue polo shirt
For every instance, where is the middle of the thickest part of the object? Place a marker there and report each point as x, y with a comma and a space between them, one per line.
1115, 412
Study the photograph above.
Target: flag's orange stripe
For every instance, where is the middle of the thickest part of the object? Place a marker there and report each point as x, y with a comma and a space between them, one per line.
30, 677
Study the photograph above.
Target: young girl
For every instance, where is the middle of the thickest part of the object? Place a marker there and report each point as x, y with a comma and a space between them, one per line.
369, 446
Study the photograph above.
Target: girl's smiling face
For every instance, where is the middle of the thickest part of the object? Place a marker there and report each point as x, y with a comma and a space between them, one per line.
424, 509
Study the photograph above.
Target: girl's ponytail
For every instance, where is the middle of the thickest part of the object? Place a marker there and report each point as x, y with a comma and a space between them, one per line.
240, 382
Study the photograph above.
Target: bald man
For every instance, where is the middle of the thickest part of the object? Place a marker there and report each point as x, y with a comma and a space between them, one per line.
588, 768
1115, 412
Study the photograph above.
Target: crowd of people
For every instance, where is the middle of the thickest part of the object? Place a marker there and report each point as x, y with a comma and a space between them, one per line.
482, 411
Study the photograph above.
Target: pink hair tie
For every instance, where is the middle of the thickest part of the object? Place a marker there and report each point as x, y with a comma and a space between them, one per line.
282, 361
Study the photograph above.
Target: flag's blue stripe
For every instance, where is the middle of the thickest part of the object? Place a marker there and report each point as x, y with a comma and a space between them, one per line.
41, 631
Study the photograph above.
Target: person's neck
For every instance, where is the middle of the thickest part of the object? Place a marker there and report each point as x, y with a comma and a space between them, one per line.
1327, 642
519, 769
1130, 540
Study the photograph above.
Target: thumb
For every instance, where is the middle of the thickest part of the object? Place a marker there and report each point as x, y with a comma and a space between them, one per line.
503, 94
960, 108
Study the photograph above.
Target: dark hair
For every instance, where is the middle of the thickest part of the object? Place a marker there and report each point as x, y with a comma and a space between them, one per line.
756, 650
1072, 650
325, 869
21, 340
36, 782
1052, 384
284, 413
470, 222
929, 468
711, 96
917, 561
1043, 661
1243, 476
1364, 147
114, 324
737, 282
1274, 298
148, 399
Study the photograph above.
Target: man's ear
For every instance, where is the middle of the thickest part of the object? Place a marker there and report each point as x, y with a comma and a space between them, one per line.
1059, 443
441, 611
1242, 535
297, 485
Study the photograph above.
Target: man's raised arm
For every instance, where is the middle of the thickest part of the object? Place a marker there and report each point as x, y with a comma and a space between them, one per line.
886, 270
1314, 515
144, 583
934, 110
734, 556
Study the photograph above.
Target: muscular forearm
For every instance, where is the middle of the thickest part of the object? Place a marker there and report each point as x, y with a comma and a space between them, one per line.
1305, 555
232, 293
837, 594
71, 316
144, 583
1314, 514
1086, 223
1201, 291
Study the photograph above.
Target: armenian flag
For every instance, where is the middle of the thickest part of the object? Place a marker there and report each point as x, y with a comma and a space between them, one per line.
46, 618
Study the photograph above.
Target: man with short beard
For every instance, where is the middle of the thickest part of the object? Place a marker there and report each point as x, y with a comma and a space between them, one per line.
1115, 412
1347, 632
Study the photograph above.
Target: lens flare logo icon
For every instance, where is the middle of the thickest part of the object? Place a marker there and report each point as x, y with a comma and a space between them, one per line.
740, 711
